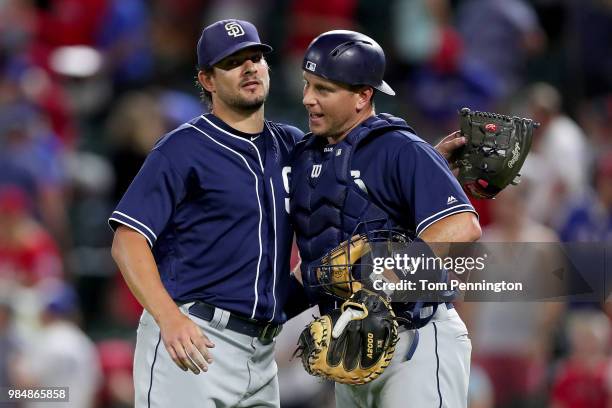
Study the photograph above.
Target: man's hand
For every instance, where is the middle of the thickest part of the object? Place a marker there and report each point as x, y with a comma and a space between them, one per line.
447, 146
186, 342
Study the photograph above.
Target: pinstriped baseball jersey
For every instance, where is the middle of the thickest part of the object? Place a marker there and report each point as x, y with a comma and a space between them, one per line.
212, 203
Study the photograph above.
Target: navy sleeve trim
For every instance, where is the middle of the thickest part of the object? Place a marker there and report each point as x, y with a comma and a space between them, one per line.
427, 222
118, 217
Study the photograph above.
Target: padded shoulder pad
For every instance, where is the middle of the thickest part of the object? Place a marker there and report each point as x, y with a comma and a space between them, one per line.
385, 121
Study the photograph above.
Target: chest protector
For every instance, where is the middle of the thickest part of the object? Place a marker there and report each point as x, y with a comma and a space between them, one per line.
327, 205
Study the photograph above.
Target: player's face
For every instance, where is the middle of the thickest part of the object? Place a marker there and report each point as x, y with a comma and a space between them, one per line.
241, 80
333, 110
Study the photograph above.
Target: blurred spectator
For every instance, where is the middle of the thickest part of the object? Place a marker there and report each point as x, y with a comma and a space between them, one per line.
480, 389
588, 47
308, 19
512, 341
511, 221
595, 116
88, 87
254, 11
175, 26
61, 355
582, 379
590, 220
442, 79
9, 346
422, 32
17, 25
499, 36
33, 154
46, 92
68, 22
132, 128
63, 28
116, 360
28, 254
559, 156
125, 39
178, 107
122, 305
23, 82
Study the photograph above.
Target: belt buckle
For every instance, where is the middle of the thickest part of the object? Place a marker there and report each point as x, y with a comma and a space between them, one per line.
268, 333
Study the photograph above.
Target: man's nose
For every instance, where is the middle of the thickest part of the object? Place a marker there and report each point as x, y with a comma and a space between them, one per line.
249, 66
307, 98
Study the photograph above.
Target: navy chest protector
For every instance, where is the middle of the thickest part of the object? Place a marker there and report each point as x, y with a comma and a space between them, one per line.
329, 205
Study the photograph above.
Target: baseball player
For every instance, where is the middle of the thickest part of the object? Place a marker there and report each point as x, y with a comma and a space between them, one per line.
358, 169
203, 240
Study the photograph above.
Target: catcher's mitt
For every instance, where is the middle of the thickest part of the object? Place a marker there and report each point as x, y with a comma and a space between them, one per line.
496, 148
351, 345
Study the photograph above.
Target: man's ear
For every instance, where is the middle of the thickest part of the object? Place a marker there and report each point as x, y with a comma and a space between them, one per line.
206, 80
365, 95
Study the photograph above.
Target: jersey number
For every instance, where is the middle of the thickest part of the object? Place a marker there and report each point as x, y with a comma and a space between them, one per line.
355, 174
287, 171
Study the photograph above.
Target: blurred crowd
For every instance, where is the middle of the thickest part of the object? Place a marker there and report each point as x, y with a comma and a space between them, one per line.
87, 87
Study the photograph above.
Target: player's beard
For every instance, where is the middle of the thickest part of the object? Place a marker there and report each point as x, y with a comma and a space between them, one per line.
244, 104
248, 105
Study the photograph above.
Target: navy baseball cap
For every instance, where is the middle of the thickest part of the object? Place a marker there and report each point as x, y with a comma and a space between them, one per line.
226, 37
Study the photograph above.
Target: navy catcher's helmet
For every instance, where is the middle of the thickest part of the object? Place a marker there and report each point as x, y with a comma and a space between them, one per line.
347, 57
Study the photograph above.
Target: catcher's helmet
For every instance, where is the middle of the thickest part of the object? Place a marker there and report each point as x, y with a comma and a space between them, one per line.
348, 57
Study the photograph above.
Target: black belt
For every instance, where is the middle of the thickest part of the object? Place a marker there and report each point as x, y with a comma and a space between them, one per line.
420, 322
264, 331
